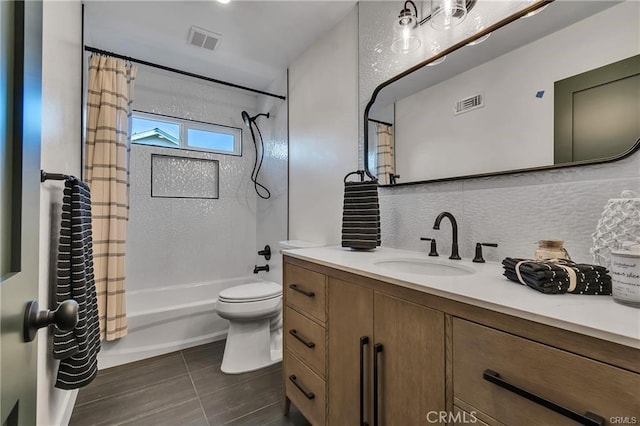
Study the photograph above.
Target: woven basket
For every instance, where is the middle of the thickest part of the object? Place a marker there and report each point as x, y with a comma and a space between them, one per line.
620, 222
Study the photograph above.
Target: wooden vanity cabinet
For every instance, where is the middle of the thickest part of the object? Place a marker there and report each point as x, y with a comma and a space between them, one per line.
405, 340
433, 358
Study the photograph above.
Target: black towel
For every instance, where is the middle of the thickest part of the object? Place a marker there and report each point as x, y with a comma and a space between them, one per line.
361, 215
77, 349
553, 277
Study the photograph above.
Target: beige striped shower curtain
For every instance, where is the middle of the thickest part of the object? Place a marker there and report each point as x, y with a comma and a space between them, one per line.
385, 163
108, 138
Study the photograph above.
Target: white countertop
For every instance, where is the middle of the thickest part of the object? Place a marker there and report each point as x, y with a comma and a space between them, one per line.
597, 316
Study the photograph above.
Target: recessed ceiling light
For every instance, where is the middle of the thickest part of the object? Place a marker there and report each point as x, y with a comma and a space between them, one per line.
224, 1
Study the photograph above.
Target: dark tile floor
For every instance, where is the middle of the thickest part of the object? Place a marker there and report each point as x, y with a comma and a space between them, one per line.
184, 388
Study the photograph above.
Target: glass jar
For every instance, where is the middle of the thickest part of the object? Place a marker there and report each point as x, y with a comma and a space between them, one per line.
551, 249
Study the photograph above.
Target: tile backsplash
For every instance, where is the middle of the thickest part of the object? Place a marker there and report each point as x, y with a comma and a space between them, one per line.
514, 211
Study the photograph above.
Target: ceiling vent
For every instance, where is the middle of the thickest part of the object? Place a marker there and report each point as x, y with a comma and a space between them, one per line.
203, 38
469, 104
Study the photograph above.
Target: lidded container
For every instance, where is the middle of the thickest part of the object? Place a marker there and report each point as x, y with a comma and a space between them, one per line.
551, 249
625, 274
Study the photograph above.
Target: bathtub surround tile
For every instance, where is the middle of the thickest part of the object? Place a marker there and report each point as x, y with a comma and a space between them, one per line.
234, 402
184, 388
130, 377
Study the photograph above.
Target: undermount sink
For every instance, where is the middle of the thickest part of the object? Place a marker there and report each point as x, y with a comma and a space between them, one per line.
424, 267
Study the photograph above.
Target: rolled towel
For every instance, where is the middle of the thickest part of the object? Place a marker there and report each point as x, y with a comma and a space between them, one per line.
361, 215
558, 276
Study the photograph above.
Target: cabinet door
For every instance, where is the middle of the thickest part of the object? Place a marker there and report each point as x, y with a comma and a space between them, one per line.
350, 318
411, 364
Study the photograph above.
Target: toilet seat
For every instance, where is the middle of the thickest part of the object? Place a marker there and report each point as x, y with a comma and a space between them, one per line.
254, 292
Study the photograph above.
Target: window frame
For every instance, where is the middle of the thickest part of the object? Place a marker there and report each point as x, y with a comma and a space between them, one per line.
185, 124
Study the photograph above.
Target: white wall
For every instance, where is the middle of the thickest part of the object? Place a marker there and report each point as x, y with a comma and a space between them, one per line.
271, 218
61, 142
514, 122
323, 132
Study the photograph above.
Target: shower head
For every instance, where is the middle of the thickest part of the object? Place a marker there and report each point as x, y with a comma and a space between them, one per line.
248, 119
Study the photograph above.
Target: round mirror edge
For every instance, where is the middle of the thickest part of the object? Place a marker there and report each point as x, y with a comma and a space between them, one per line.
635, 147
426, 62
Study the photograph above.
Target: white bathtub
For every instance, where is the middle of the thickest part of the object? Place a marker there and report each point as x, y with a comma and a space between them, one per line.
167, 319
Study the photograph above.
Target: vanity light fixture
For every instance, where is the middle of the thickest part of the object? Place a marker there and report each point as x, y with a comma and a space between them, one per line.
447, 14
444, 14
404, 26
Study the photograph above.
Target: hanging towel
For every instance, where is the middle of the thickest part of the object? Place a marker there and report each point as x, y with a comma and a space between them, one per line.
77, 349
361, 214
558, 276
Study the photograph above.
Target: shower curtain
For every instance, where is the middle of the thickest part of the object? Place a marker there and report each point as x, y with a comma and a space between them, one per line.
108, 138
385, 168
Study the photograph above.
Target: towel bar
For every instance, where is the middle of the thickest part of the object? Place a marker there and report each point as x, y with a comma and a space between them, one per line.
52, 176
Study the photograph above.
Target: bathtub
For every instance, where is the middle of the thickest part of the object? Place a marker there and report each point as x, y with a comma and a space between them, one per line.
167, 319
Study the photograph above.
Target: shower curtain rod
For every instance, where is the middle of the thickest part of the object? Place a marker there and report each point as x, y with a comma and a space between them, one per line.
177, 71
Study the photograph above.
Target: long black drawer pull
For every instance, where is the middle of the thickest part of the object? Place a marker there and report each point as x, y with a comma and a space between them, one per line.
377, 348
309, 395
294, 333
589, 418
364, 340
294, 287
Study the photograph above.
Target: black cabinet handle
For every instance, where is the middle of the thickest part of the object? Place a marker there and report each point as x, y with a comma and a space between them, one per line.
309, 395
294, 287
294, 333
589, 418
377, 348
364, 340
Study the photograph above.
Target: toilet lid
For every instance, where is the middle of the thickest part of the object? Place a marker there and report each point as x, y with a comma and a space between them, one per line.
251, 292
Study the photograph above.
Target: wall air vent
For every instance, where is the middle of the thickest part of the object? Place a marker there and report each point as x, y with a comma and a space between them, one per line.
203, 38
469, 104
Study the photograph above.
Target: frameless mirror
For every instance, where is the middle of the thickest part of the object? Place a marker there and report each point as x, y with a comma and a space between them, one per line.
555, 89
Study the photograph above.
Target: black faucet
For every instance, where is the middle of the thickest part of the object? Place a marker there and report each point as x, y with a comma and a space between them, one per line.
454, 226
257, 268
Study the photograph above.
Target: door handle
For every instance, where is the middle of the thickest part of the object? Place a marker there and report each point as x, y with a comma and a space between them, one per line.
377, 348
364, 340
65, 317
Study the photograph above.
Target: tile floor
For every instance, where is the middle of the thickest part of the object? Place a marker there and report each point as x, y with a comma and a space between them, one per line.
184, 388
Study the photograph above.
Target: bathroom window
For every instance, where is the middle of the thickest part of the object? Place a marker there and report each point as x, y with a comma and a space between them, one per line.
173, 132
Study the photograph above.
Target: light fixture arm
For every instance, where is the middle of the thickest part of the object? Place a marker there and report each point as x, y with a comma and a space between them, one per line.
415, 8
469, 4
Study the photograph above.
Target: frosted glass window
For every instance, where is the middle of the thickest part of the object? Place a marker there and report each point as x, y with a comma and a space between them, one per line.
184, 177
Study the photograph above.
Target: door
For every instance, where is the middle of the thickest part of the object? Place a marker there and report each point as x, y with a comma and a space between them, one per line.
20, 84
411, 363
350, 318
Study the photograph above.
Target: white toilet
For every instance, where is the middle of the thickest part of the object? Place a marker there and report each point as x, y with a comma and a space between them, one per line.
254, 339
254, 312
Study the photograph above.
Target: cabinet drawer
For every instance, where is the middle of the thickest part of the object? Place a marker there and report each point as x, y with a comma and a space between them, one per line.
306, 339
576, 383
305, 389
306, 290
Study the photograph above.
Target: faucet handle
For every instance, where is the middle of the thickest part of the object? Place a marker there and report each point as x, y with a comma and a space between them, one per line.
433, 251
478, 257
